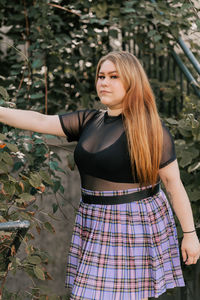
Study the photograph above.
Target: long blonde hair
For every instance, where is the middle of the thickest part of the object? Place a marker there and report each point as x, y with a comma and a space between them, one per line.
142, 122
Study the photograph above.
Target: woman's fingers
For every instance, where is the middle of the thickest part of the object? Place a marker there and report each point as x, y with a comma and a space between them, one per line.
184, 255
191, 260
195, 260
190, 249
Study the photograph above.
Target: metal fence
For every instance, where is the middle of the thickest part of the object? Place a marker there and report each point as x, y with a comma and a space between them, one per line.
172, 75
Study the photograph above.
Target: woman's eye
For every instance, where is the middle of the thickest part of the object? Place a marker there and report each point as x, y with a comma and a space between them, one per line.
114, 76
101, 77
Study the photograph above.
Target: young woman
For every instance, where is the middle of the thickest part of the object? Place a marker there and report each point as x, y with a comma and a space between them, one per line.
124, 245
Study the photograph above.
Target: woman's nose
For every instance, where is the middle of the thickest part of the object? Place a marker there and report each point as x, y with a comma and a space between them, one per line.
105, 81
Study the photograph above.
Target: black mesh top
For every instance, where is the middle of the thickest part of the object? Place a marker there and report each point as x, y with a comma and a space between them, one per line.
101, 153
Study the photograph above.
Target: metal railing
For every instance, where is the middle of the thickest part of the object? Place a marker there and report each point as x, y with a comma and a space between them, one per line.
172, 75
11, 235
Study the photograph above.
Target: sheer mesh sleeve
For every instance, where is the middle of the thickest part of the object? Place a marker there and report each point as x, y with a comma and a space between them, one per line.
72, 123
169, 153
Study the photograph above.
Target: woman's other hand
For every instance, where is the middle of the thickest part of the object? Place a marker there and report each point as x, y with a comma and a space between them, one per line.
190, 248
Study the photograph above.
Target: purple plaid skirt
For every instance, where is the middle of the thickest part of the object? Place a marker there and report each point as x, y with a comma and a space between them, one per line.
125, 251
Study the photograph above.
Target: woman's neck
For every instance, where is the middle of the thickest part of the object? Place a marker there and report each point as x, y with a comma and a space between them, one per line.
114, 112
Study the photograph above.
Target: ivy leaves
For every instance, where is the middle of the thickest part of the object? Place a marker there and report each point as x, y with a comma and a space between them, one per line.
187, 140
28, 169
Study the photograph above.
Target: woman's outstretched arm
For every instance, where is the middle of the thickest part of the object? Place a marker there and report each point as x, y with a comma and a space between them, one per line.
179, 200
31, 120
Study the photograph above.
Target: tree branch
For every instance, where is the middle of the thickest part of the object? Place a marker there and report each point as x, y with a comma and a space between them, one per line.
64, 8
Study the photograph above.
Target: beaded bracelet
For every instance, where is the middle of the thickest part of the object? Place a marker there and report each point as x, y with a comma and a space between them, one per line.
189, 231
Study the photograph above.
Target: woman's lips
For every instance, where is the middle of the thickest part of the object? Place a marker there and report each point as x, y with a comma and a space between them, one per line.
104, 92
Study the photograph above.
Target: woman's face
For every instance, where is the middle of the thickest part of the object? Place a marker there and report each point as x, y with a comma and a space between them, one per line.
109, 86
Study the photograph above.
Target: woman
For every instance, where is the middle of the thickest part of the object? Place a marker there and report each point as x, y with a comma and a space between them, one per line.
124, 244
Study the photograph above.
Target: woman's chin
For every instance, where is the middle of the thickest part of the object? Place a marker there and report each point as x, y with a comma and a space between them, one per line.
109, 104
105, 102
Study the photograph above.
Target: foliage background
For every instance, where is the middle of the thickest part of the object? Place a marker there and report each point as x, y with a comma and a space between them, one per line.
48, 55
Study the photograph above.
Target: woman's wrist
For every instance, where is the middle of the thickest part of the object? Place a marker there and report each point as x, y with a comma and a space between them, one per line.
189, 231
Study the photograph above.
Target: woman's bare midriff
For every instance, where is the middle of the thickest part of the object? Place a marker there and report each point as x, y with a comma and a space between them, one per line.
98, 184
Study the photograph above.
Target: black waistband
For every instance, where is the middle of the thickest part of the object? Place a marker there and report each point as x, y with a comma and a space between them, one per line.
119, 199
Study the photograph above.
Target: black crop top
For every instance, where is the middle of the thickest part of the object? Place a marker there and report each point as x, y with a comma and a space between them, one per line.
101, 153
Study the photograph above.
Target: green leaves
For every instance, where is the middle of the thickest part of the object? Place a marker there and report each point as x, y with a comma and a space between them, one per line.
187, 129
49, 227
24, 175
39, 273
38, 63
6, 158
37, 96
4, 93
100, 9
85, 51
54, 166
35, 180
25, 198
190, 127
2, 136
188, 156
187, 153
45, 177
198, 24
9, 188
12, 147
35, 260
194, 167
194, 195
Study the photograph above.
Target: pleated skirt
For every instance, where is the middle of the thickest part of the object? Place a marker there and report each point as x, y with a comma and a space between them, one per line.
125, 251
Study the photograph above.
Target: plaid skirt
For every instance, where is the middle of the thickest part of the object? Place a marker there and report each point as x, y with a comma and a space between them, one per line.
125, 251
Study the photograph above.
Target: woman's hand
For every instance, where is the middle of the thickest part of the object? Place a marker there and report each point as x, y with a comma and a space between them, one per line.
190, 248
